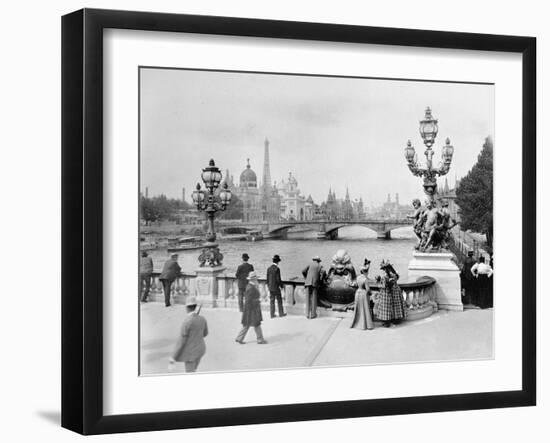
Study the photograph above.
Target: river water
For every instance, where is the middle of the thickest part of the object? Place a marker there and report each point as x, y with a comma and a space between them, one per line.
297, 250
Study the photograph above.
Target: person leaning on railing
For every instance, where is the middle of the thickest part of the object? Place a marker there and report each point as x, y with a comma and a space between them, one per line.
170, 272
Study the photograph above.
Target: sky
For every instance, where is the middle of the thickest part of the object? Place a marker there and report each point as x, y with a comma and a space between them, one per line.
328, 131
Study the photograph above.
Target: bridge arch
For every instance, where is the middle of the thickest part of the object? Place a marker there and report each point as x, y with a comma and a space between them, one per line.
382, 230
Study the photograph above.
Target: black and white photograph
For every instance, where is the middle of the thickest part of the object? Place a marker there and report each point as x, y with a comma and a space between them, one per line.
294, 221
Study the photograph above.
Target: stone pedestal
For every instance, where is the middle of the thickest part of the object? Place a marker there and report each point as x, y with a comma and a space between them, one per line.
206, 285
446, 273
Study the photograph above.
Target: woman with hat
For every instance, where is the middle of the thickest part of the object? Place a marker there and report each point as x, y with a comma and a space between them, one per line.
252, 313
362, 318
391, 306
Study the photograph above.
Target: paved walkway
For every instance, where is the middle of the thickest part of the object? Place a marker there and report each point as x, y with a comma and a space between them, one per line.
294, 341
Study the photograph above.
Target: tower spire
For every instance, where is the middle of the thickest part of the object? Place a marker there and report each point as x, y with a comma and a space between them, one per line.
267, 172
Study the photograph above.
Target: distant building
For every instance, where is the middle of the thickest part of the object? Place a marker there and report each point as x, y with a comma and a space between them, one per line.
249, 193
266, 202
293, 204
450, 195
393, 209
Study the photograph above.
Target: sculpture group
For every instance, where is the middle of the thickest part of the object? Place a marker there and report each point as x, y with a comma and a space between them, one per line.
432, 225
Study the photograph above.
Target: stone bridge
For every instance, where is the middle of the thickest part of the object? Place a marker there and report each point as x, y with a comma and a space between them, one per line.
326, 229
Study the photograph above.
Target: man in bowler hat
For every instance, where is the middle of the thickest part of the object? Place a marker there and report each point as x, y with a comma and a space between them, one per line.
252, 313
170, 272
313, 278
243, 270
275, 285
191, 346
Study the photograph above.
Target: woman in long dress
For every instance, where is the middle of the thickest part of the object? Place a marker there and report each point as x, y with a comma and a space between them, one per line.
483, 274
391, 306
362, 317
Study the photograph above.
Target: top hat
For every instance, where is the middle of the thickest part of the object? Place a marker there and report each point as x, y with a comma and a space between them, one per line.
276, 258
245, 256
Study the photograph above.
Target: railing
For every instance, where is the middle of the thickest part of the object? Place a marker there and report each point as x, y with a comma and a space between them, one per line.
419, 296
185, 284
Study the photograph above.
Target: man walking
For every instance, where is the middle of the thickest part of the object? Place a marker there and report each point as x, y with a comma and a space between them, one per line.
312, 274
243, 270
252, 313
275, 285
170, 272
191, 346
145, 275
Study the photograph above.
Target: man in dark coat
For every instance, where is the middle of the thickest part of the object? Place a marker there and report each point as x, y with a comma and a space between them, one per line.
275, 285
252, 313
170, 272
468, 279
243, 270
145, 275
190, 347
313, 278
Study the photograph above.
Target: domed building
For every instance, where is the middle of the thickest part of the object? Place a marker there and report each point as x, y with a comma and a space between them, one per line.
249, 193
292, 203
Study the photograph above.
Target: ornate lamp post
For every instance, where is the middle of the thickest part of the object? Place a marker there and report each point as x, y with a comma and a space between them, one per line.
206, 201
428, 131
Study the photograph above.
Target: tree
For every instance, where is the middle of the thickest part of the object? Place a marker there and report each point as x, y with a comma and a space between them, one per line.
161, 208
474, 195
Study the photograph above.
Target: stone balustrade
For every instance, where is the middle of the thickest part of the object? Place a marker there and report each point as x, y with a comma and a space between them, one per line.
419, 296
293, 293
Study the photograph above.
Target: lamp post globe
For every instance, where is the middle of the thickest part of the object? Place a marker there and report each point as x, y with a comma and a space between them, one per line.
409, 152
211, 176
428, 128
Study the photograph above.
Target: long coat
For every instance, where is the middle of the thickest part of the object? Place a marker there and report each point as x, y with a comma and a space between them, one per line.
191, 344
170, 270
391, 305
252, 312
274, 282
242, 273
312, 274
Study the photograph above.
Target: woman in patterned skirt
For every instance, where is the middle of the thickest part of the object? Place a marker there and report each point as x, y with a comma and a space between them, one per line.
391, 306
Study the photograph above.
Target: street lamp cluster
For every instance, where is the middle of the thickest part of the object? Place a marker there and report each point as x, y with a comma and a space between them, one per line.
428, 131
207, 201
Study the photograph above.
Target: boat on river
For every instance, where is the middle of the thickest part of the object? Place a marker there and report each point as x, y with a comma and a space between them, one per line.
254, 236
185, 244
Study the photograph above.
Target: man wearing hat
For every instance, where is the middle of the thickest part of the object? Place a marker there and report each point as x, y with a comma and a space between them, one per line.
191, 346
468, 280
243, 270
170, 272
275, 285
252, 312
145, 275
312, 275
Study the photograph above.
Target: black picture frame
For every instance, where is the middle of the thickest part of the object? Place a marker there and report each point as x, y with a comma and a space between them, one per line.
82, 219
